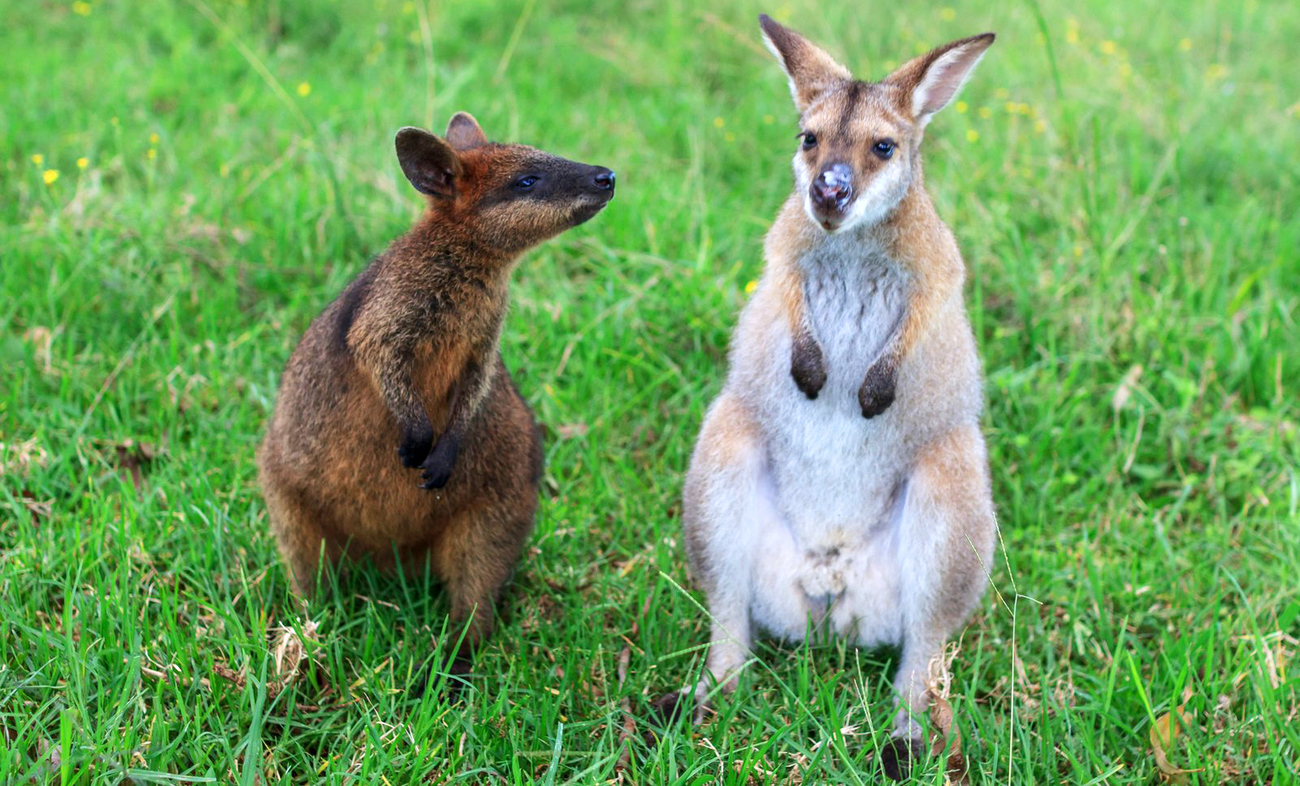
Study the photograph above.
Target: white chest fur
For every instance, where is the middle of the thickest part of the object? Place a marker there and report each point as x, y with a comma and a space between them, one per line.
853, 301
835, 480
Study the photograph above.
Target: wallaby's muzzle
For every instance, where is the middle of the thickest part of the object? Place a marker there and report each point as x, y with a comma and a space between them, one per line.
831, 192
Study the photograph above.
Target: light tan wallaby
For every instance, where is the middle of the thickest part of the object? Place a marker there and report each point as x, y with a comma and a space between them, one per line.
840, 480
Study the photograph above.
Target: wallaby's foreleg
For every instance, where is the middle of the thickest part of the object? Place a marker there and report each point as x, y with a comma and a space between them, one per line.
930, 292
467, 400
946, 547
385, 355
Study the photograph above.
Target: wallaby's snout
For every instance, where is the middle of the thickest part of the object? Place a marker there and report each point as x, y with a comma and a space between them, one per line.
831, 192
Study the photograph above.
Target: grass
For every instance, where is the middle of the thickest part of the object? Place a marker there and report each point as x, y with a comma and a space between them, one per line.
1122, 181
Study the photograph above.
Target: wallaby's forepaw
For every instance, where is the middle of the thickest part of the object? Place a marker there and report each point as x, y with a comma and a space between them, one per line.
807, 365
415, 447
442, 459
896, 757
877, 391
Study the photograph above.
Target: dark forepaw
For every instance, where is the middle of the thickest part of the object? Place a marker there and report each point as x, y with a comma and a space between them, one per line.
807, 365
415, 446
442, 459
877, 391
896, 757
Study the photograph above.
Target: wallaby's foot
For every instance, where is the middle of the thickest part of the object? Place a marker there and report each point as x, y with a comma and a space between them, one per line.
671, 707
897, 755
457, 678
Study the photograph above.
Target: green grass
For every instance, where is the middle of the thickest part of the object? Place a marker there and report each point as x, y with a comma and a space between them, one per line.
1123, 184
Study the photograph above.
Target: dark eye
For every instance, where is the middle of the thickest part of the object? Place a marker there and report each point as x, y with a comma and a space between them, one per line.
884, 148
526, 182
809, 141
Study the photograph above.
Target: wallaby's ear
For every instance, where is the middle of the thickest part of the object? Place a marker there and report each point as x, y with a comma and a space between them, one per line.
811, 71
934, 78
463, 132
428, 162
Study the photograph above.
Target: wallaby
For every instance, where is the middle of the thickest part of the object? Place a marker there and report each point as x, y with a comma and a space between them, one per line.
840, 480
398, 433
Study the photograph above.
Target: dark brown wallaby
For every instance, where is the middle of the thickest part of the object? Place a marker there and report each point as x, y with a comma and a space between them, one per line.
402, 373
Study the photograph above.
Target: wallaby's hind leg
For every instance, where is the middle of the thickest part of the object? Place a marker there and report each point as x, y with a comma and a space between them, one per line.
946, 548
298, 535
723, 486
474, 558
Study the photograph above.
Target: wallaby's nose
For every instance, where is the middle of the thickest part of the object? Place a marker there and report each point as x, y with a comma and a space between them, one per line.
833, 186
604, 179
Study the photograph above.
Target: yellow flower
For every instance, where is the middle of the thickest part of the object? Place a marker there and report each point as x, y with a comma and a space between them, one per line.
113, 121
83, 162
730, 137
304, 89
947, 14
768, 119
1039, 126
1216, 71
1072, 36
153, 138
152, 154
408, 8
1109, 48
972, 135
50, 176
1125, 69
985, 112
38, 159
1185, 45
1012, 108
225, 170
750, 287
961, 107
81, 8
719, 122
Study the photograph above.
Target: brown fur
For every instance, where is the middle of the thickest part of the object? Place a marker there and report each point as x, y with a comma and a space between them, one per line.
402, 371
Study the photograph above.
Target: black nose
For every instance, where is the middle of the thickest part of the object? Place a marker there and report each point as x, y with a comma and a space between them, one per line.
604, 179
833, 185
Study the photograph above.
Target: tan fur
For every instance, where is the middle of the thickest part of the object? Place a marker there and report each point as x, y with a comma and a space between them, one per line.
399, 380
841, 477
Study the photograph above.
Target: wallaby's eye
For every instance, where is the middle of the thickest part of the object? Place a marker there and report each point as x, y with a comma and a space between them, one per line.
809, 140
525, 183
884, 148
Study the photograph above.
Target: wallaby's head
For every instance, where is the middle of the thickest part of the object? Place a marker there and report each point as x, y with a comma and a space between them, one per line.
510, 196
859, 142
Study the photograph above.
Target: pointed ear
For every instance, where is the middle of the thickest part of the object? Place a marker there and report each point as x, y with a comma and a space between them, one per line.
464, 133
934, 78
811, 71
428, 162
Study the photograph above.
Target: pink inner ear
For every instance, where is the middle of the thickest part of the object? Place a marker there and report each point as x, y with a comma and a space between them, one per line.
945, 76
